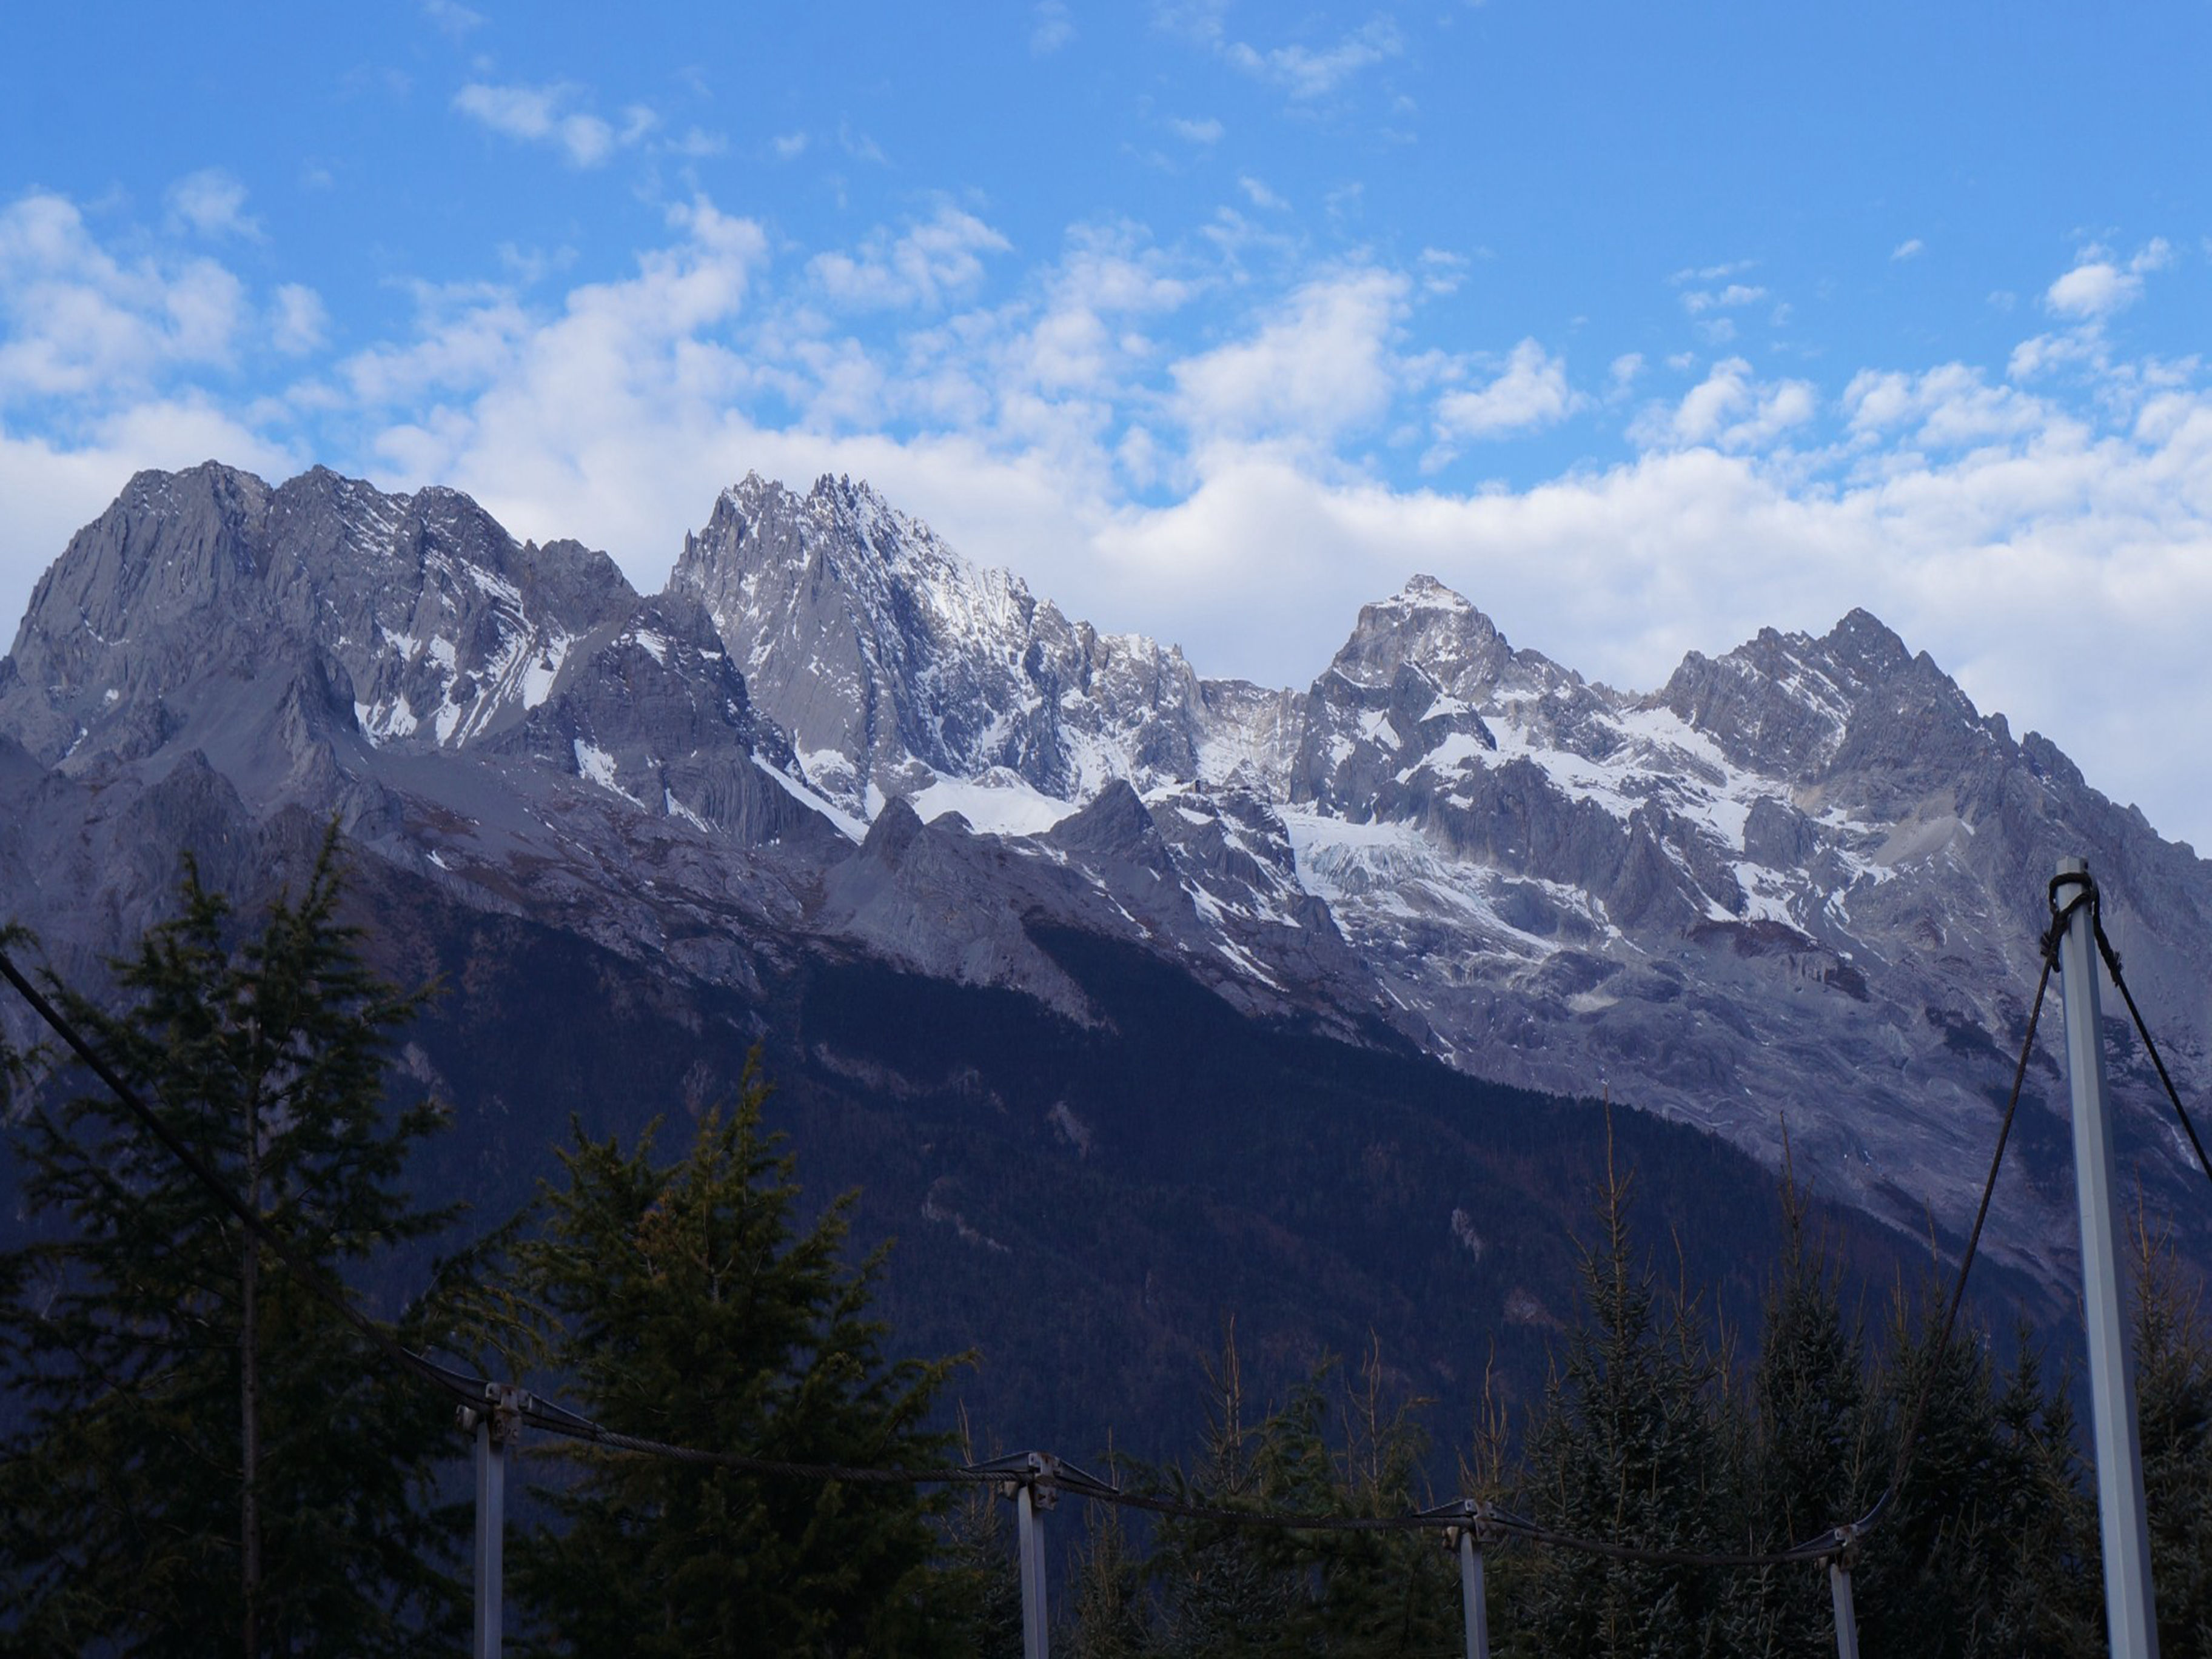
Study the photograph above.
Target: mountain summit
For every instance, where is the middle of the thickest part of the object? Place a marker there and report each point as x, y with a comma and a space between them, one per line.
1796, 888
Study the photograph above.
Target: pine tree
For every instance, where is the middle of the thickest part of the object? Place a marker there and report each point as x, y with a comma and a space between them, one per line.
1626, 1448
2049, 1592
980, 1582
1381, 1593
692, 1308
206, 1456
1988, 1549
1809, 1463
1228, 1590
2173, 1392
1110, 1619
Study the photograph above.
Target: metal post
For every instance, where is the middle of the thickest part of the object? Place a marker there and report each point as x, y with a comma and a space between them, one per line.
1035, 1632
494, 1422
491, 1525
2129, 1617
1847, 1617
1034, 1480
1472, 1601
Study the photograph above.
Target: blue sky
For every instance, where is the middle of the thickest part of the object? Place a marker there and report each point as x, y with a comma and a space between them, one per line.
1643, 327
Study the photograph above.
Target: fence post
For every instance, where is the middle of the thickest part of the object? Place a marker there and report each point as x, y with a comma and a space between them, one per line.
494, 1424
1466, 1525
1036, 1631
1847, 1617
1475, 1602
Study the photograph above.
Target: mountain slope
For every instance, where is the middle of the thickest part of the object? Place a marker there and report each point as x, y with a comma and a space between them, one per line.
1796, 888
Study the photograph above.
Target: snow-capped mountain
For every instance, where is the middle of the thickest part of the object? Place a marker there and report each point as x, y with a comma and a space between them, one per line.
895, 665
1795, 889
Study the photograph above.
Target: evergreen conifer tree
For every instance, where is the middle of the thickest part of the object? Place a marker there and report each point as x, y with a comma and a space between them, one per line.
2173, 1392
1380, 1593
2050, 1600
1109, 1617
1808, 1464
1225, 1590
1989, 1548
1626, 1447
204, 1457
980, 1581
693, 1309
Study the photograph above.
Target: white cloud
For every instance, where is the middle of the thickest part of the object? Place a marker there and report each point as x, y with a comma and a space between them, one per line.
1442, 271
1729, 410
1699, 301
212, 202
1197, 20
789, 146
1947, 407
1531, 392
1321, 366
1207, 131
1305, 73
1911, 248
453, 18
925, 265
1260, 195
2096, 287
697, 144
2100, 284
1711, 273
549, 115
1051, 27
860, 146
298, 321
77, 322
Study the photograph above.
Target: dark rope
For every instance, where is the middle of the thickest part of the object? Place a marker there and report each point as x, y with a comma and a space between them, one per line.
2142, 1029
310, 1277
1910, 1445
480, 1394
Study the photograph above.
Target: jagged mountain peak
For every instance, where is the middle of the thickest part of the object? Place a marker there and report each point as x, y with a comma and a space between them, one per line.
1438, 634
1864, 640
412, 619
1807, 707
1784, 858
1423, 593
891, 659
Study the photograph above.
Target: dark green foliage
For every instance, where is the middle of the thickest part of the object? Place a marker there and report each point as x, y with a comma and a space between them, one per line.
1111, 1617
979, 1593
693, 1309
1806, 1458
124, 1488
1989, 1547
1628, 1447
2174, 1386
1332, 1448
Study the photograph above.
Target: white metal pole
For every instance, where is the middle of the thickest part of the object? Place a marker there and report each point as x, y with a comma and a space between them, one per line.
1847, 1617
2130, 1619
1472, 1601
1035, 1632
491, 1527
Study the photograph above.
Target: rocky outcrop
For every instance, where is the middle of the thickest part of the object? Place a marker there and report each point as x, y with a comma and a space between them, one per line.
1798, 886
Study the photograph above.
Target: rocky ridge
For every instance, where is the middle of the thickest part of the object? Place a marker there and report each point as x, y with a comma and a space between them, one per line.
1797, 887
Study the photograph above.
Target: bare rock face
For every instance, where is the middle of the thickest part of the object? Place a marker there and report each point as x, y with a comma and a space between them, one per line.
890, 660
1797, 888
315, 639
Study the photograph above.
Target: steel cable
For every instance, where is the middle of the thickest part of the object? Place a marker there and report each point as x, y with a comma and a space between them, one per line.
544, 1415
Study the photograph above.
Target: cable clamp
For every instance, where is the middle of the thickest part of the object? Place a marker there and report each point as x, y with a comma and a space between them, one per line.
1477, 1519
1044, 1476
